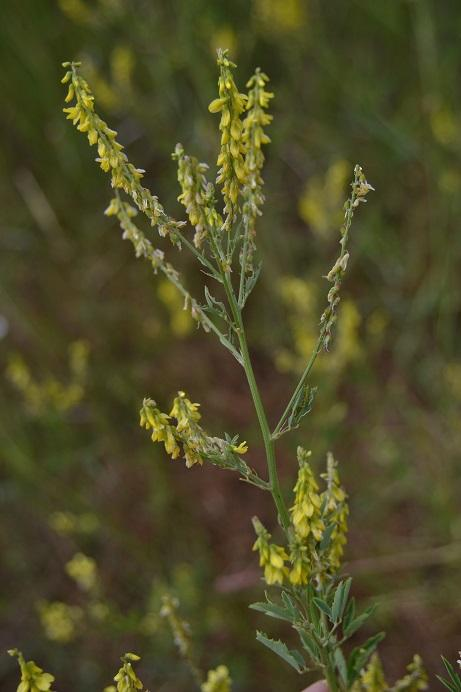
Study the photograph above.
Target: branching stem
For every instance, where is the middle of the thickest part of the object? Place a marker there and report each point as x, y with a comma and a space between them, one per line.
276, 491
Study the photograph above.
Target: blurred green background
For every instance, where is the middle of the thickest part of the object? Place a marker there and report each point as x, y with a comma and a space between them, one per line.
96, 522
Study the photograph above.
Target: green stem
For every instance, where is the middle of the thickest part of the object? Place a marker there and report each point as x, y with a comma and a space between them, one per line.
301, 383
200, 257
243, 267
330, 674
323, 332
327, 651
276, 491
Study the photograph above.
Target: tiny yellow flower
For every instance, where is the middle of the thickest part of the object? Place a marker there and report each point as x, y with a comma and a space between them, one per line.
241, 448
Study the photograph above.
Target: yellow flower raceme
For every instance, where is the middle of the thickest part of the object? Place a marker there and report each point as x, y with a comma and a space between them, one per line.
185, 412
197, 196
181, 429
415, 679
231, 104
162, 431
301, 564
193, 437
33, 678
143, 248
112, 159
253, 137
272, 557
306, 510
360, 189
218, 680
371, 678
336, 511
126, 678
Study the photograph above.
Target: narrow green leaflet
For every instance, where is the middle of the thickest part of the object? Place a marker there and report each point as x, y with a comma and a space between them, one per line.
341, 665
360, 656
357, 622
272, 610
340, 599
454, 682
292, 656
324, 607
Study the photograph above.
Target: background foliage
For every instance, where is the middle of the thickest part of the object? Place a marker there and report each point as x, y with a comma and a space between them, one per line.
354, 81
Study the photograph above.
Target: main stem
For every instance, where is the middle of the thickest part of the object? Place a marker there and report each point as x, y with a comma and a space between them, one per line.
276, 491
326, 652
330, 674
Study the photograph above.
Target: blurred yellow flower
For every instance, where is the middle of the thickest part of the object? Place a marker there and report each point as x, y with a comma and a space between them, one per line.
83, 570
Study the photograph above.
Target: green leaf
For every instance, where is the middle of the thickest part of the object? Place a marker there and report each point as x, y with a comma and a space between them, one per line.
360, 656
215, 307
340, 599
314, 617
454, 684
447, 684
291, 656
272, 610
310, 645
326, 537
341, 665
250, 283
290, 604
321, 605
355, 624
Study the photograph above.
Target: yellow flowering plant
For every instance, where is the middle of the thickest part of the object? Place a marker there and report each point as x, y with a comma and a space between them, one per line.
303, 564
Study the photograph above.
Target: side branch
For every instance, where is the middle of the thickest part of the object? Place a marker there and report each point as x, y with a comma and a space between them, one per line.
144, 248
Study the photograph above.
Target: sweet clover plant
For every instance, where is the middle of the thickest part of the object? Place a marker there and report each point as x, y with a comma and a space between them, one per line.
302, 562
300, 553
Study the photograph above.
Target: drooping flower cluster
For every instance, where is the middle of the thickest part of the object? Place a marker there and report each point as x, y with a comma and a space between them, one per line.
318, 532
301, 562
336, 511
360, 189
308, 524
152, 419
271, 556
197, 196
126, 678
111, 156
180, 430
306, 511
33, 678
231, 104
143, 247
254, 137
218, 680
194, 439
